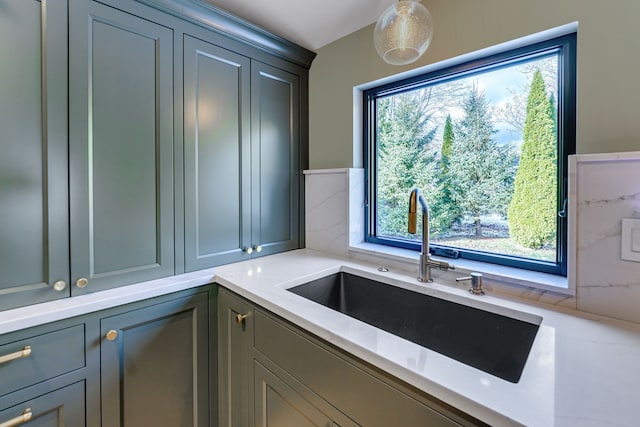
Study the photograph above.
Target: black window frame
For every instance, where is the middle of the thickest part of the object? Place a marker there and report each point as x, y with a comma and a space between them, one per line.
566, 46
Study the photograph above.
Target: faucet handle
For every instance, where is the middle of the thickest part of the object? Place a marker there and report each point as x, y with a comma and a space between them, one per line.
476, 283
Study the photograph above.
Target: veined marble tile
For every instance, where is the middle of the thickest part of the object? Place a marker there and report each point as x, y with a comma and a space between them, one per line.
604, 188
530, 293
356, 206
327, 210
607, 190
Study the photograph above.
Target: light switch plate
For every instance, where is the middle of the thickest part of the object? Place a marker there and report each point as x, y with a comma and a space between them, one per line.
630, 239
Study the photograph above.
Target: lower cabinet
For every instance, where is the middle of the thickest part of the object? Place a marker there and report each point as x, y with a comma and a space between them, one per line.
235, 332
149, 363
287, 403
64, 407
273, 373
154, 365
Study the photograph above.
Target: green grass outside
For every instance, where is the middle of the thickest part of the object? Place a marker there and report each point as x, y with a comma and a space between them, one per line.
499, 245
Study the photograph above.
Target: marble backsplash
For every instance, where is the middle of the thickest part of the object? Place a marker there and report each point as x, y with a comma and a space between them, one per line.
603, 189
327, 199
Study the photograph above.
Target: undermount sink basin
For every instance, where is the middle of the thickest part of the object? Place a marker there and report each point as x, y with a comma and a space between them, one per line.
491, 342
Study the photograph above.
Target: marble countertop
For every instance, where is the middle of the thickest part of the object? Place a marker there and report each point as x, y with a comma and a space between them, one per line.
583, 370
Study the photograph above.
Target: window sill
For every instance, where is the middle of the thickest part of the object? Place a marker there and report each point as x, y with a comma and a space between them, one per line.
504, 275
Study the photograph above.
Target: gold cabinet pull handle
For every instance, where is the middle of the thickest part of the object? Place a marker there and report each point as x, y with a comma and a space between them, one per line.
25, 352
257, 248
82, 282
240, 318
20, 419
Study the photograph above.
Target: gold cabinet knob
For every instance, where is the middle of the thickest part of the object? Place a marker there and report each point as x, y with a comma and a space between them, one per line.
59, 285
257, 248
82, 282
249, 250
240, 318
111, 335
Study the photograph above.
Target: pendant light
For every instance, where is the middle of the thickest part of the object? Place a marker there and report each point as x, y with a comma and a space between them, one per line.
403, 32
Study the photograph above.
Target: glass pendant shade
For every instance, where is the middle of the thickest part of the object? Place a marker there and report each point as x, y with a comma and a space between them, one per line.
403, 32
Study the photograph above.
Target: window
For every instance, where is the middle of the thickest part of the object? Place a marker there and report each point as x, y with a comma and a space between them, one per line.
486, 142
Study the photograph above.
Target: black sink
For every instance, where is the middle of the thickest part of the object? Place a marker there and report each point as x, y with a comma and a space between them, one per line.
493, 343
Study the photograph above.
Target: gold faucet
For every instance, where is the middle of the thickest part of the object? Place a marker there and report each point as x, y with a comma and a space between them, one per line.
426, 262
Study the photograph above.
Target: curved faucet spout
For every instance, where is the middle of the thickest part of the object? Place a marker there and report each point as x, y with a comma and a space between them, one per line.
414, 198
426, 262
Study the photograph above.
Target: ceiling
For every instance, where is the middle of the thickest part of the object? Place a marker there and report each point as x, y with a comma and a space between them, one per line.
308, 23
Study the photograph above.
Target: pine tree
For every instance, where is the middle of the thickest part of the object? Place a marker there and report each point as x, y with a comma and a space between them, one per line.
444, 210
532, 212
447, 145
405, 160
480, 170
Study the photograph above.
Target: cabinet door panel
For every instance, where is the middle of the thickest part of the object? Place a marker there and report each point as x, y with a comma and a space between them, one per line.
275, 162
33, 180
217, 141
155, 369
64, 407
337, 379
234, 357
121, 148
278, 405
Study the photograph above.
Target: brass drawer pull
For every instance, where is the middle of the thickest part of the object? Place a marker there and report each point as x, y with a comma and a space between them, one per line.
25, 352
20, 419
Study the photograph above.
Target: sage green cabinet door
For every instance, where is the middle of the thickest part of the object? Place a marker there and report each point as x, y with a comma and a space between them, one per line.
280, 403
155, 365
64, 407
121, 148
217, 142
275, 166
34, 249
235, 332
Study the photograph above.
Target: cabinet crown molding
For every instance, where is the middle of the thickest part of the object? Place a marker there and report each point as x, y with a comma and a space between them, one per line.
203, 13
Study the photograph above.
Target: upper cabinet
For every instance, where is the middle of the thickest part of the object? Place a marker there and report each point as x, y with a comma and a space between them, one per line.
142, 139
34, 250
217, 147
242, 157
275, 165
121, 148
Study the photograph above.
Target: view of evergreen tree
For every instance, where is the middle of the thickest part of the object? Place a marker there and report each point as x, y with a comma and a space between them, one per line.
553, 114
483, 157
405, 159
513, 111
480, 171
447, 145
445, 209
532, 212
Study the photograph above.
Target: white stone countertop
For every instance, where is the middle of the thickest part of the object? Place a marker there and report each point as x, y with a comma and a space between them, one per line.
582, 370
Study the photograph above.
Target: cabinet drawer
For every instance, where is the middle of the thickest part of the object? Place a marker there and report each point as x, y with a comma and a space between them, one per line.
64, 407
339, 381
51, 354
